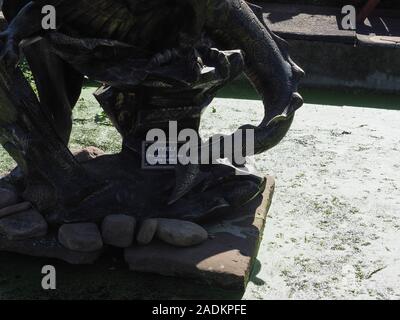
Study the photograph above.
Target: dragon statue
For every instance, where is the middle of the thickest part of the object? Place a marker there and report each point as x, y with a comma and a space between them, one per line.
156, 61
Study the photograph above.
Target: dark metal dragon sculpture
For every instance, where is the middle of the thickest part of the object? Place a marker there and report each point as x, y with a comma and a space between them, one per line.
157, 61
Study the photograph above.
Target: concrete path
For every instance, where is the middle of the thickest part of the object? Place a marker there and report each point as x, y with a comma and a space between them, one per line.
321, 23
334, 225
366, 59
305, 22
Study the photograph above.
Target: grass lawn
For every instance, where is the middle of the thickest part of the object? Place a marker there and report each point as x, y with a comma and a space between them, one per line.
90, 128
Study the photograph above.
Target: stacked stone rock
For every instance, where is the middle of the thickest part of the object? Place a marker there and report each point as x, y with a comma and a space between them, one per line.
120, 231
19, 221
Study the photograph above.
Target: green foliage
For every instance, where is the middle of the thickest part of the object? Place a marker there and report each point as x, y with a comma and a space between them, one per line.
6, 162
28, 74
102, 118
91, 127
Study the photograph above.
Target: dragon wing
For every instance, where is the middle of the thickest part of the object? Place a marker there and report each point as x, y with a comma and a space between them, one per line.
152, 24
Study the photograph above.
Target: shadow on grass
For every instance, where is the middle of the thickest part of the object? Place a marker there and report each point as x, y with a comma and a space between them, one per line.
256, 270
242, 89
108, 279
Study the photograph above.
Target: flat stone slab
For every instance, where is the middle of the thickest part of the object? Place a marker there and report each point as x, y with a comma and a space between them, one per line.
47, 247
224, 260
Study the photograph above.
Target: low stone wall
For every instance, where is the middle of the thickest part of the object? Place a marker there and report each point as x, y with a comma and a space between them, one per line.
387, 4
344, 66
337, 58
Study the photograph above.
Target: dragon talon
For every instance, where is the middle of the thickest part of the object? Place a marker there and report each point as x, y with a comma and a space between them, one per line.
187, 177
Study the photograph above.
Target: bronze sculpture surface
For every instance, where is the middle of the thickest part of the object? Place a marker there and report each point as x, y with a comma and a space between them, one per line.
157, 61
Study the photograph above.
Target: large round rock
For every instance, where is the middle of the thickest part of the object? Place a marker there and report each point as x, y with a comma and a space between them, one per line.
180, 233
87, 154
147, 231
24, 225
7, 198
118, 230
83, 237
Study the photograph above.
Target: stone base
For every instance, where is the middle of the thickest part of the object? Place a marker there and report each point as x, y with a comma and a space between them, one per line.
225, 260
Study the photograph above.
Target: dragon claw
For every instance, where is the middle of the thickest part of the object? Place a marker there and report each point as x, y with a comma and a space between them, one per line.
187, 178
296, 103
163, 58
